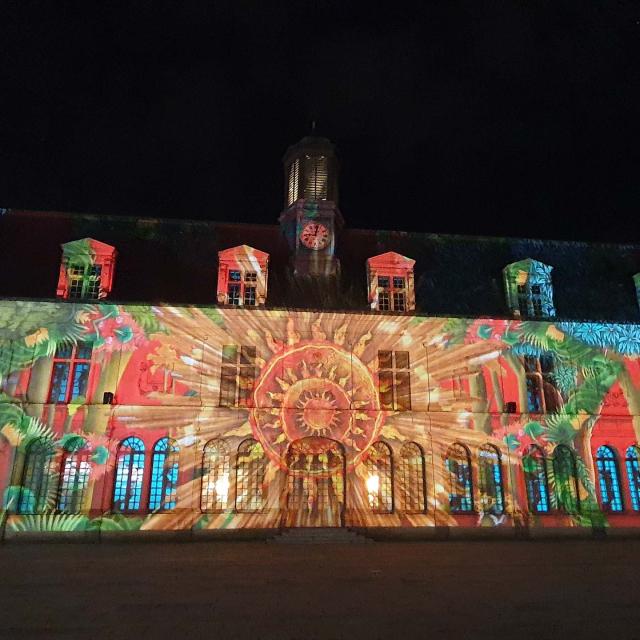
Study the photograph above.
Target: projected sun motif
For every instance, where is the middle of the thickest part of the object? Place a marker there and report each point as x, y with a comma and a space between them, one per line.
315, 388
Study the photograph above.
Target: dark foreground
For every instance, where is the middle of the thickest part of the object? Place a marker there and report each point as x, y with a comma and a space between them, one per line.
551, 589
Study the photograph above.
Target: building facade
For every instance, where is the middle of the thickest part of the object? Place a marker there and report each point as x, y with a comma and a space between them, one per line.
207, 377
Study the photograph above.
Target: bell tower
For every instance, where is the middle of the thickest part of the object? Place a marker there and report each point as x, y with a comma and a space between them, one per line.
311, 216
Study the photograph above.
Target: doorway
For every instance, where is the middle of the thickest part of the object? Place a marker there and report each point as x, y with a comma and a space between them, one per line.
315, 483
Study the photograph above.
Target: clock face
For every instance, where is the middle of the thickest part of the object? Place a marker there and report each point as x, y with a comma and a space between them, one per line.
314, 236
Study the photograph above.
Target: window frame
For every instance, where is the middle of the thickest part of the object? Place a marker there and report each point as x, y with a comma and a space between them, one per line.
233, 376
77, 493
391, 291
250, 475
246, 283
134, 455
395, 378
633, 482
163, 489
381, 467
467, 505
209, 501
616, 488
71, 364
412, 478
40, 467
496, 478
543, 474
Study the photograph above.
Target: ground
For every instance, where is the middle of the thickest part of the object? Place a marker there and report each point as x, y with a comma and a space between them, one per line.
473, 589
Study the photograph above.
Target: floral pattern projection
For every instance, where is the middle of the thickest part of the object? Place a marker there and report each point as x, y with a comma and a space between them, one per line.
142, 417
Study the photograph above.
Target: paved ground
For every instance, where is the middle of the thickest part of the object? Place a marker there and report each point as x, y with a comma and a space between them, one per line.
575, 589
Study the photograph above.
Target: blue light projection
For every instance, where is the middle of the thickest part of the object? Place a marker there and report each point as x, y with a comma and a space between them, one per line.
535, 472
633, 475
459, 467
127, 491
608, 479
164, 476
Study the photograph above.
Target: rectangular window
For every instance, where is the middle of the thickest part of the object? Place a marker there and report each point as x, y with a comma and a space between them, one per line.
530, 301
392, 294
84, 281
394, 383
241, 289
542, 394
237, 375
70, 375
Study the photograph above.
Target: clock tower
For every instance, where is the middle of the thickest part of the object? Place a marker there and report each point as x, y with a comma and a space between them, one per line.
311, 216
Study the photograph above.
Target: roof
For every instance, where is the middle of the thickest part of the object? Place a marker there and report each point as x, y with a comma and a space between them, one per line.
176, 261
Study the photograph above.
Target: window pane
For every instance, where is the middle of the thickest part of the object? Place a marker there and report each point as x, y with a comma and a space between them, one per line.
127, 492
83, 350
608, 480
385, 360
229, 354
250, 276
412, 478
59, 382
384, 282
228, 386
384, 301
398, 282
215, 477
490, 476
233, 294
63, 351
403, 391
235, 276
385, 388
633, 475
247, 355
534, 466
250, 296
80, 379
402, 359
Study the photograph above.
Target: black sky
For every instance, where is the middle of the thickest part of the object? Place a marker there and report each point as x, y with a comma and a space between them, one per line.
503, 118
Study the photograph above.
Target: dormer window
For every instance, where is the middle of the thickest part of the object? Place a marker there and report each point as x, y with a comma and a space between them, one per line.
529, 290
242, 276
86, 270
390, 282
636, 279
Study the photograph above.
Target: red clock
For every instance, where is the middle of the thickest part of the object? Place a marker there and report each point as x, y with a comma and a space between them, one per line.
314, 236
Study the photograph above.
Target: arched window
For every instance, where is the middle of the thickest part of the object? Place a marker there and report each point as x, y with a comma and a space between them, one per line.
633, 475
565, 474
609, 480
490, 479
412, 479
76, 469
164, 476
250, 472
215, 476
127, 491
37, 485
379, 480
458, 465
534, 465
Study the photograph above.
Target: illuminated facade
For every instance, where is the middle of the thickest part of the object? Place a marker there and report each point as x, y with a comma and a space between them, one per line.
306, 375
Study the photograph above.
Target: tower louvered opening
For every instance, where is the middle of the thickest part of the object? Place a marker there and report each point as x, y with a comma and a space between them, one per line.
294, 182
315, 177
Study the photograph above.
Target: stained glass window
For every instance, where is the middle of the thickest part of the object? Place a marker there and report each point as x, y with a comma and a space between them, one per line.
37, 482
76, 469
566, 479
534, 465
164, 476
70, 376
412, 478
250, 470
394, 380
238, 372
633, 476
215, 476
458, 464
608, 479
379, 482
127, 492
490, 480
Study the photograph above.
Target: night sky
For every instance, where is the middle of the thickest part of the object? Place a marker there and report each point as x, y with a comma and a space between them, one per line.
502, 118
